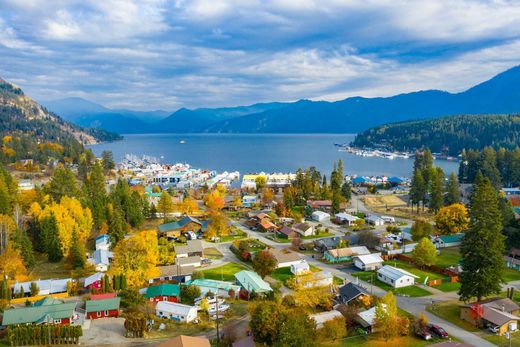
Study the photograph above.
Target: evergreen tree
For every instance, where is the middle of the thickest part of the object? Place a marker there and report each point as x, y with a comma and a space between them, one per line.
5, 200
417, 189
482, 247
77, 252
436, 189
22, 243
346, 191
487, 164
452, 190
51, 238
63, 183
96, 194
116, 224
107, 159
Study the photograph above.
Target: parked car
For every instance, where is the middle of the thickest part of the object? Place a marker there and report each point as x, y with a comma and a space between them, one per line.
424, 334
437, 330
206, 261
494, 328
221, 308
302, 248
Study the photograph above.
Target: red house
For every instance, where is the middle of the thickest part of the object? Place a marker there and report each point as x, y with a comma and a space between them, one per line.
164, 292
94, 281
102, 308
102, 296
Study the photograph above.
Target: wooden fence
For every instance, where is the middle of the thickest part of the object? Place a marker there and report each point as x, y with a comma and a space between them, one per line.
452, 276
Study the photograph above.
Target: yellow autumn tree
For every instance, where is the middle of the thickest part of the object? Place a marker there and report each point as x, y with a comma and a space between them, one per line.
189, 206
137, 257
452, 219
218, 226
11, 264
70, 216
215, 200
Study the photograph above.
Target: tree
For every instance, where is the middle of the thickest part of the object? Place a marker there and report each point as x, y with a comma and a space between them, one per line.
417, 189
368, 239
334, 329
165, 204
215, 200
189, 206
420, 229
77, 252
482, 247
260, 182
264, 263
218, 226
265, 322
22, 243
387, 320
51, 238
96, 194
34, 289
107, 158
346, 191
436, 189
424, 253
452, 190
190, 292
11, 263
267, 195
63, 183
116, 223
297, 330
452, 219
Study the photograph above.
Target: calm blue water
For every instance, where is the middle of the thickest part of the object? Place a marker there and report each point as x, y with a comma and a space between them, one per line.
248, 153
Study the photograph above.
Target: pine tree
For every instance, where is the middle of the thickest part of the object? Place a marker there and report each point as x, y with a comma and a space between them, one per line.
452, 190
96, 194
76, 252
436, 189
346, 191
116, 224
51, 238
22, 243
107, 159
417, 189
482, 247
63, 183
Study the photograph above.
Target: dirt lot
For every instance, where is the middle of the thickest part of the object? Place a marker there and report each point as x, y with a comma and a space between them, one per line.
106, 331
383, 200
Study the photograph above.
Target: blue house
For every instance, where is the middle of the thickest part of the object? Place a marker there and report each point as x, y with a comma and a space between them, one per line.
249, 200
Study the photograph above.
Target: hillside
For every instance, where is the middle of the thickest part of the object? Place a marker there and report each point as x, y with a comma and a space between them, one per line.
33, 131
450, 134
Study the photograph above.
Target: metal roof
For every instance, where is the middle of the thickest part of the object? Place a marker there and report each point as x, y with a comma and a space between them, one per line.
251, 281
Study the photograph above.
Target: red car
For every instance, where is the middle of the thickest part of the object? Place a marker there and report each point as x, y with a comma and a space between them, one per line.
424, 334
437, 330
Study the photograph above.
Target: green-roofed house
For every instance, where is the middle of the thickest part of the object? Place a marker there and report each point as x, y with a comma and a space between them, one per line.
185, 224
448, 240
251, 281
46, 310
103, 308
164, 292
222, 288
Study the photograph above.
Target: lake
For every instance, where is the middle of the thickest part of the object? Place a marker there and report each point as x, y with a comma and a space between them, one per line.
248, 153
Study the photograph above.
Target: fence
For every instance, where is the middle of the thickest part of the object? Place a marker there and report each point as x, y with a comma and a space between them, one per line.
451, 276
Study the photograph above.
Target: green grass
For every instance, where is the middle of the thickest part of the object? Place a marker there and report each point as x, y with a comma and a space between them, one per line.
502, 340
448, 286
448, 257
282, 274
310, 237
414, 270
224, 272
337, 281
375, 341
413, 291
511, 275
279, 239
212, 253
44, 270
450, 311
235, 234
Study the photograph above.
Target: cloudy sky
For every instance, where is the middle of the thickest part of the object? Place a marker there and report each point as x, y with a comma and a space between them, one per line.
154, 54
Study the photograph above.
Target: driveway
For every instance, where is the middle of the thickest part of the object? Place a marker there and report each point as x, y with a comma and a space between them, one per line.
105, 331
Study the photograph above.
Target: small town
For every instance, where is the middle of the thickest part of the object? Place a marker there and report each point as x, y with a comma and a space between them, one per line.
165, 254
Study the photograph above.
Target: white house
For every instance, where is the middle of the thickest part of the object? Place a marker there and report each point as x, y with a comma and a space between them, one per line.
101, 259
345, 218
249, 200
375, 220
300, 268
46, 287
319, 279
303, 229
395, 277
368, 262
175, 311
285, 258
320, 216
103, 242
367, 318
195, 261
388, 219
322, 317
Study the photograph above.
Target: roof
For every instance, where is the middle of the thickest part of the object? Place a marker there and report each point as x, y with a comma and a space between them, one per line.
350, 291
102, 296
251, 281
323, 317
320, 213
374, 258
164, 289
176, 270
395, 179
262, 215
102, 256
452, 238
38, 314
368, 316
173, 307
319, 203
328, 242
302, 226
192, 246
346, 216
186, 341
301, 266
266, 224
48, 300
285, 256
348, 251
208, 283
93, 278
188, 260
374, 218
287, 231
394, 273
102, 305
52, 286
178, 224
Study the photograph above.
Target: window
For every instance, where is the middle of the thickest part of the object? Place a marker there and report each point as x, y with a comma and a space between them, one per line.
98, 314
106, 313
57, 321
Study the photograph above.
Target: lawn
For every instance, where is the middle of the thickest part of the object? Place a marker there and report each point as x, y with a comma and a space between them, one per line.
502, 340
413, 291
235, 234
511, 275
448, 257
224, 272
385, 200
375, 341
212, 253
44, 270
284, 273
448, 286
310, 237
414, 270
449, 310
172, 329
279, 239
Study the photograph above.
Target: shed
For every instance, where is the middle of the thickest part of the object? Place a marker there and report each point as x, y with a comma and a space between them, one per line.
396, 277
375, 220
300, 268
368, 262
322, 317
251, 281
320, 216
175, 311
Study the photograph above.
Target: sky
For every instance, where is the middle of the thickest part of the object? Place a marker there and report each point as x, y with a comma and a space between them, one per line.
155, 54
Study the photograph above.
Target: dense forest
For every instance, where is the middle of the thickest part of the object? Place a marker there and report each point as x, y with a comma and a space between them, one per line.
449, 134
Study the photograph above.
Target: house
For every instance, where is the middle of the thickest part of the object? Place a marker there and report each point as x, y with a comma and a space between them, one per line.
251, 281
195, 261
322, 317
366, 318
344, 254
285, 258
345, 218
497, 312
300, 268
368, 262
323, 205
192, 248
103, 242
101, 259
185, 224
175, 311
93, 282
320, 216
249, 200
316, 279
47, 310
359, 180
102, 296
176, 273
287, 233
397, 278
163, 292
46, 287
186, 341
375, 220
303, 229
222, 288
349, 292
25, 185
388, 219
327, 243
266, 225
105, 308
510, 191
447, 240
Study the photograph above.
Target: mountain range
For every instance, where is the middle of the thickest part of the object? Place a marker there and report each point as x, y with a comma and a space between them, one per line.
501, 94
